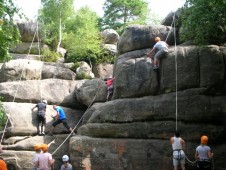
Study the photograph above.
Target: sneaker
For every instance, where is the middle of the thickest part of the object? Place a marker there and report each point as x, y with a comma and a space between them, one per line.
43, 133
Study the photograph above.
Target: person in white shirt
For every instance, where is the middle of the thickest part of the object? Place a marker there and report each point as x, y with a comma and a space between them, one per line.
178, 145
160, 49
203, 154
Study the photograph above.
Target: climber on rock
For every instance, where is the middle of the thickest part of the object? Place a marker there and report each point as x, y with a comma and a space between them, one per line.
160, 49
110, 87
60, 118
41, 116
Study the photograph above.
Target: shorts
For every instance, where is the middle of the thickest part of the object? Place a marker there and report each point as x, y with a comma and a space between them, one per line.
110, 89
41, 120
161, 53
178, 157
64, 121
204, 165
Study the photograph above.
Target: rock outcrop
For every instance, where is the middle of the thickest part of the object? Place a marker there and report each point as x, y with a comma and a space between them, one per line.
132, 131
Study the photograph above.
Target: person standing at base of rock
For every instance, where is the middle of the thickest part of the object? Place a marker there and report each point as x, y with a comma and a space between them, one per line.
60, 118
203, 155
3, 165
160, 49
178, 145
38, 150
66, 165
45, 160
41, 117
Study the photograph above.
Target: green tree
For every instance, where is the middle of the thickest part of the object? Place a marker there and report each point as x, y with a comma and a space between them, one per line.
9, 33
82, 37
204, 21
53, 15
120, 13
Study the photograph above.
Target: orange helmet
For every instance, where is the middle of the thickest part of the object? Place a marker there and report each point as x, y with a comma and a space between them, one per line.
157, 39
204, 140
44, 147
37, 147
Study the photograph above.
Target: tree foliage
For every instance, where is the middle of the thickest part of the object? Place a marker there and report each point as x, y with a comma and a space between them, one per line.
3, 116
82, 37
119, 13
9, 33
204, 21
50, 14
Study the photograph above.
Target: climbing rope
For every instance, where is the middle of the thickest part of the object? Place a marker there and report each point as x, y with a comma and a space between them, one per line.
175, 47
100, 85
14, 97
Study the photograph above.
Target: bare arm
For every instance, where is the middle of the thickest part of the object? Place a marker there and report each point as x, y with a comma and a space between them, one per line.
210, 154
150, 52
33, 108
171, 140
196, 155
182, 143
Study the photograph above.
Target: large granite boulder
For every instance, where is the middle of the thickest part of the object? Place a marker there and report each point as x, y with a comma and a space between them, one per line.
135, 77
155, 116
139, 37
24, 69
103, 71
21, 69
55, 91
110, 36
55, 72
92, 91
22, 118
30, 31
132, 154
29, 48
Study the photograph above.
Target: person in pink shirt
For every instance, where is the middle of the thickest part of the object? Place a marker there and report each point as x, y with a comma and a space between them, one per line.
45, 160
110, 88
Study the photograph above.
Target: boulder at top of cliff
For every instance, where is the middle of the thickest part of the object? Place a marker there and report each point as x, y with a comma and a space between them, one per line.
110, 36
30, 31
138, 37
29, 48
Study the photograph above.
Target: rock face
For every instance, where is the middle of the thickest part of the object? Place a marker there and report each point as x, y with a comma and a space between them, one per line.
132, 131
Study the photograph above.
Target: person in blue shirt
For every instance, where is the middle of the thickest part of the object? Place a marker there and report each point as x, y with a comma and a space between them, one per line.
60, 118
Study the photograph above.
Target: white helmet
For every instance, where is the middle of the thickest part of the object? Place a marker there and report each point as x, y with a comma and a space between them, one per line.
65, 158
44, 101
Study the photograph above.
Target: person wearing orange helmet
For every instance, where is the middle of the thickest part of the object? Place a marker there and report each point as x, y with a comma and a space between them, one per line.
38, 150
203, 154
3, 164
161, 49
45, 160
